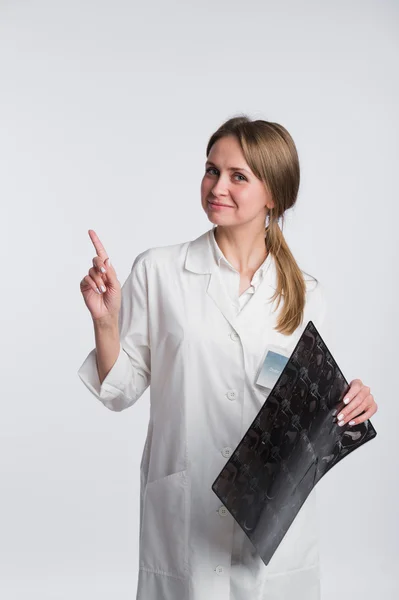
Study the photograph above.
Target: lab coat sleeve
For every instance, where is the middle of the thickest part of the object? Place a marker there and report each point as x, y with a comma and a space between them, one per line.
130, 375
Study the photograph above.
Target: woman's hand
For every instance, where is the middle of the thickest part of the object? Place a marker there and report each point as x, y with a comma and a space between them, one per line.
358, 400
101, 289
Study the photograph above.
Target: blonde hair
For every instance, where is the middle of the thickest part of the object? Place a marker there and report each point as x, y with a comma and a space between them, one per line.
270, 152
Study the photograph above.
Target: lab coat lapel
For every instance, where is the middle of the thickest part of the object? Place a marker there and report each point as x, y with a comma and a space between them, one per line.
200, 259
217, 291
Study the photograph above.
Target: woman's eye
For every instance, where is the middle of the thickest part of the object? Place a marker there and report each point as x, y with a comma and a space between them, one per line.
213, 169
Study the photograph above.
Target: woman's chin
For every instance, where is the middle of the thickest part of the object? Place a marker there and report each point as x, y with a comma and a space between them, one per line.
215, 218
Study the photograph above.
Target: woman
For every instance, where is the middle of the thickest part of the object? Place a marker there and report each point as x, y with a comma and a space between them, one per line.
195, 319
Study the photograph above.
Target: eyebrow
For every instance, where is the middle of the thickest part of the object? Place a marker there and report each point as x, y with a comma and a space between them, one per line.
229, 169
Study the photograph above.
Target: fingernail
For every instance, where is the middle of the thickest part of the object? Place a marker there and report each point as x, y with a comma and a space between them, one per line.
102, 288
98, 290
351, 422
102, 270
341, 416
340, 423
346, 400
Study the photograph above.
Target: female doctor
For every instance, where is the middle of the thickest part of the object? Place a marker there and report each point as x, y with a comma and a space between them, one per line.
194, 319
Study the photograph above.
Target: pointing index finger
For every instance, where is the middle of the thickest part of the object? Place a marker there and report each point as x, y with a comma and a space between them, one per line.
101, 253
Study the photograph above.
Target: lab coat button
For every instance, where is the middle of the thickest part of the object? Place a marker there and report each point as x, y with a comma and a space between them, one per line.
219, 569
227, 452
234, 336
232, 394
222, 511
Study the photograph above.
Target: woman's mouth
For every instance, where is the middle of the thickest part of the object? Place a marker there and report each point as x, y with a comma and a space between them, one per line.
218, 206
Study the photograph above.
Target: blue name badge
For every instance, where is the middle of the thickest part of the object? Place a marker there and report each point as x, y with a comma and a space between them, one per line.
274, 363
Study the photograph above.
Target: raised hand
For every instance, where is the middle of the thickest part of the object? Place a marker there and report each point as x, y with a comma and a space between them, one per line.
101, 289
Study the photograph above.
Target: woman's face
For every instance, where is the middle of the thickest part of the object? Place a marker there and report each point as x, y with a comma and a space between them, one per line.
229, 181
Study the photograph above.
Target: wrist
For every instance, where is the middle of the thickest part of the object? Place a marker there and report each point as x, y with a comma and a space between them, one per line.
105, 323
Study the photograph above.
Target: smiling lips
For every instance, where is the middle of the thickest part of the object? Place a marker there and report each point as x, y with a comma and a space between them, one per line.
216, 205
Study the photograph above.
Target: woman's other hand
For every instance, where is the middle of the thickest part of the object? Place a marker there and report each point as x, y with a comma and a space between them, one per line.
360, 404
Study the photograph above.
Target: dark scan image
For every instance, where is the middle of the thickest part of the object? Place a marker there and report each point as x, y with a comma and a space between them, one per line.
293, 441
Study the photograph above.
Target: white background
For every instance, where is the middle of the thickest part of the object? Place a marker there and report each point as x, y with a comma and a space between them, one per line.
105, 112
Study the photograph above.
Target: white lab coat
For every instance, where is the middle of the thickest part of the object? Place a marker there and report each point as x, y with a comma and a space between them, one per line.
180, 332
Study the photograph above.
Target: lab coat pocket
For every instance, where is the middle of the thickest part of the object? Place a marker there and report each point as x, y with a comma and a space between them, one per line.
164, 531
